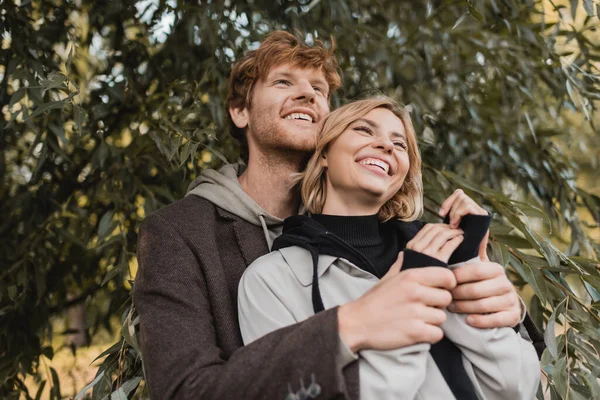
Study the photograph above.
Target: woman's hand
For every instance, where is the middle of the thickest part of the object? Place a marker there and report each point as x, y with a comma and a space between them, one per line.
437, 241
458, 205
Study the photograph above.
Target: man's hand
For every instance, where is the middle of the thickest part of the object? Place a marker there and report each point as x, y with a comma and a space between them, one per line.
404, 308
484, 292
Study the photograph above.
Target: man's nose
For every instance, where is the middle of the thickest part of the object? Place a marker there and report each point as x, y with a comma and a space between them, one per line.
305, 91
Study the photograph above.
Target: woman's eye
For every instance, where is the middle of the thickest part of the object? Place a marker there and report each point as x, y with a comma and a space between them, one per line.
401, 145
365, 129
317, 89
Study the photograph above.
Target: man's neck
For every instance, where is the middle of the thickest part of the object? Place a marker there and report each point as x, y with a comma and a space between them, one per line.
268, 181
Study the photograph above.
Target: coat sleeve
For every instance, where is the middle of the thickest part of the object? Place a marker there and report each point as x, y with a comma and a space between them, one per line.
179, 341
505, 365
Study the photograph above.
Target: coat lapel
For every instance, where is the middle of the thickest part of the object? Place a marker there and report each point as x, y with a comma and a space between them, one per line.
250, 238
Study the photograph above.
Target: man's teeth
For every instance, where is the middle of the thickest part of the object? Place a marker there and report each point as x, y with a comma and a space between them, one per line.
371, 161
301, 116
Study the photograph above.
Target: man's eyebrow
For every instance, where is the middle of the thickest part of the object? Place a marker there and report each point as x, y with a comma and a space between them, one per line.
289, 75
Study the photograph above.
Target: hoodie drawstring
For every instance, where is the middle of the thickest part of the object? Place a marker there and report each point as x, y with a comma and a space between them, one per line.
263, 223
317, 300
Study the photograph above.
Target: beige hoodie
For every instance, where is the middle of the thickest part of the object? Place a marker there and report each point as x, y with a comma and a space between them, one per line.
223, 189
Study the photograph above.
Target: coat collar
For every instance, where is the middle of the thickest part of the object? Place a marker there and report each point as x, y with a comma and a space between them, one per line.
300, 262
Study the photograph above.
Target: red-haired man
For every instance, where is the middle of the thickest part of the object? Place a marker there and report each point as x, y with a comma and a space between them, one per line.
193, 253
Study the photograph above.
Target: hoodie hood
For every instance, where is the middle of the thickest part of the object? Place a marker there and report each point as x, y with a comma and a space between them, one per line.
223, 189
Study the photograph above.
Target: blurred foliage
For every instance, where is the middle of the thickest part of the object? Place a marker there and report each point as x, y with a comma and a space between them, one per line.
109, 109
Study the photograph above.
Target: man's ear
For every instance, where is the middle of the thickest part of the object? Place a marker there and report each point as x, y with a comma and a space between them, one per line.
239, 116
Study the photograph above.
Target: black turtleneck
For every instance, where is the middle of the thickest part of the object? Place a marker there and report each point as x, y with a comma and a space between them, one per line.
378, 243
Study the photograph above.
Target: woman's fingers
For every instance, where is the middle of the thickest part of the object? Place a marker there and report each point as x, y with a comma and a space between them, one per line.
447, 204
431, 241
448, 248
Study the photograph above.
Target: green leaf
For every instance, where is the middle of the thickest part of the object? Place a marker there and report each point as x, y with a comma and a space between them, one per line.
40, 390
79, 115
459, 20
515, 242
549, 335
51, 105
48, 352
54, 80
16, 97
89, 386
588, 6
106, 225
113, 272
55, 390
474, 13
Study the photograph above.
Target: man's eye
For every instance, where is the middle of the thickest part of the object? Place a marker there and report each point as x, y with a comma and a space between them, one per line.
365, 129
282, 82
317, 89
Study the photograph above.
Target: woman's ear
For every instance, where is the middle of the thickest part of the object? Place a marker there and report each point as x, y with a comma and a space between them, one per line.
323, 160
239, 116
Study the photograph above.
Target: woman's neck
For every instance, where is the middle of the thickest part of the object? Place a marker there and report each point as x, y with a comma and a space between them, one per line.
350, 205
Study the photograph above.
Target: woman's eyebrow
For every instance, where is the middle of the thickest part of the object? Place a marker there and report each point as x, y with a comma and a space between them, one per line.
398, 135
373, 124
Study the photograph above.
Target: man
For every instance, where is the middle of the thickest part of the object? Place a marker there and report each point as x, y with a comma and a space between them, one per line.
192, 254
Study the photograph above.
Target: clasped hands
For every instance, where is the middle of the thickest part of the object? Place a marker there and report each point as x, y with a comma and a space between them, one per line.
406, 307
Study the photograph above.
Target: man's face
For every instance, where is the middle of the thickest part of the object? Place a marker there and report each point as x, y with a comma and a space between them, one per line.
286, 109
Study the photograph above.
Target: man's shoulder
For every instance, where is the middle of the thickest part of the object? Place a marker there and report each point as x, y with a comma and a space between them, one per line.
184, 208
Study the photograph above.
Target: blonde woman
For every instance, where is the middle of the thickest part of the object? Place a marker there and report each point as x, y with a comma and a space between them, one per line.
363, 190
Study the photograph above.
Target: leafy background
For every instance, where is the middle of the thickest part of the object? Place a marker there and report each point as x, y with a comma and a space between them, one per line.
109, 109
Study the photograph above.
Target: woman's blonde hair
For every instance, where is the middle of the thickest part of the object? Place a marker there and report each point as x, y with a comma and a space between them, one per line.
407, 203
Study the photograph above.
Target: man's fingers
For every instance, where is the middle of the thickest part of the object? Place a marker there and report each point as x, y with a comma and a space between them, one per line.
435, 297
430, 333
478, 271
438, 277
486, 305
447, 204
495, 320
433, 316
487, 288
483, 247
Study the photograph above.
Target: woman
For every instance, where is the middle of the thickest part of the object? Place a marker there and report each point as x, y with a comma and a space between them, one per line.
363, 190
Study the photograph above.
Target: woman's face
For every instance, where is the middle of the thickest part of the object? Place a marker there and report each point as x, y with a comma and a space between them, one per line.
367, 164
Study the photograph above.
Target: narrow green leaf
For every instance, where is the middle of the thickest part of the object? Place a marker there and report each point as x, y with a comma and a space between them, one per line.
16, 97
531, 128
474, 13
549, 335
40, 390
105, 225
54, 80
89, 386
513, 241
79, 115
55, 391
588, 6
51, 105
574, 4
459, 20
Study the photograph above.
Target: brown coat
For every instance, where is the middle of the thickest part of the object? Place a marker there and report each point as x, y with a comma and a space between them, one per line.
192, 255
